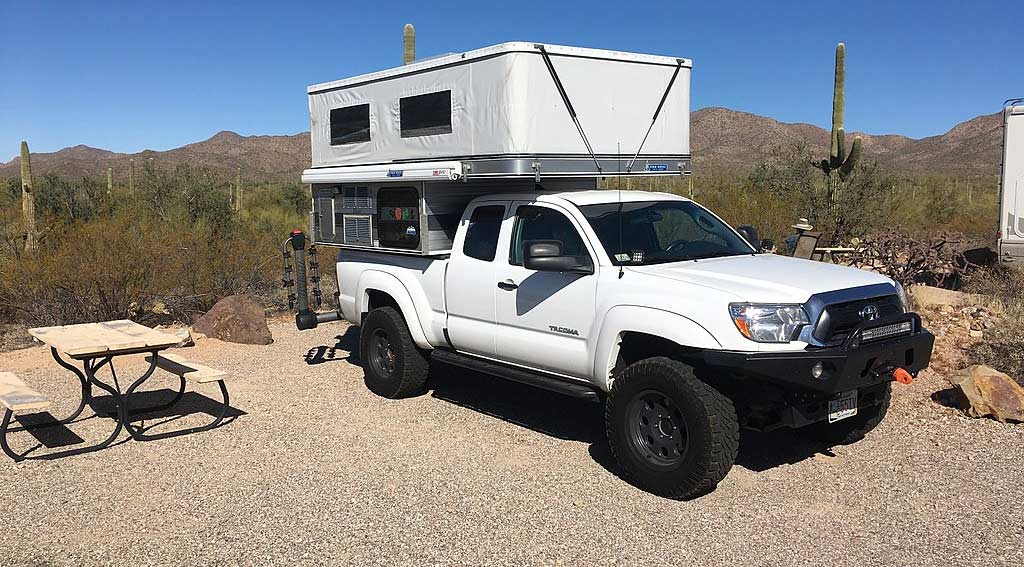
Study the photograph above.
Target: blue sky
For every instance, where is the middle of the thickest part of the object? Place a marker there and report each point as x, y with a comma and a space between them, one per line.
135, 75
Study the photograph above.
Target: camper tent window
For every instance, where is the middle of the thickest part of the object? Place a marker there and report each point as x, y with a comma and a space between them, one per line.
398, 217
426, 114
350, 125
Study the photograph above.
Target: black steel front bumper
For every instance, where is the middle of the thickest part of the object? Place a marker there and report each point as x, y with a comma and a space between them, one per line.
854, 364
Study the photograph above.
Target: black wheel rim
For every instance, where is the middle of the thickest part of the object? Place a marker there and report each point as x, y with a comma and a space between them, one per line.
656, 429
382, 355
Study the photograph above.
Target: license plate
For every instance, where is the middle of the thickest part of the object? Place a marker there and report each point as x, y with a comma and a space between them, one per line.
842, 407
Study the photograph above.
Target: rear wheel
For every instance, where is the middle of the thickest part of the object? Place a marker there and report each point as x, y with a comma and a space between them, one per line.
392, 364
851, 429
671, 433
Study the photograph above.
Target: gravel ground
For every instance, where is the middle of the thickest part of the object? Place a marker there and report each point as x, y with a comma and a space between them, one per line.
317, 470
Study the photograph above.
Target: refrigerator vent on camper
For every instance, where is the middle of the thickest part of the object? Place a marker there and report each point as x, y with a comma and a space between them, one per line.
357, 229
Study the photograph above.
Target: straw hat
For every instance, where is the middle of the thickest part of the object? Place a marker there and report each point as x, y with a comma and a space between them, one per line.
802, 225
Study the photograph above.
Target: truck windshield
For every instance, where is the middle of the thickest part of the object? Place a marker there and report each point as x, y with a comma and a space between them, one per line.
656, 232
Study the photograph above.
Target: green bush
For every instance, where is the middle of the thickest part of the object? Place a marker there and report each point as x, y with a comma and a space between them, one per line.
167, 252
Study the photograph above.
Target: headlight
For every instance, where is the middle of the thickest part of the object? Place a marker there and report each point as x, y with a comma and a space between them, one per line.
768, 323
903, 297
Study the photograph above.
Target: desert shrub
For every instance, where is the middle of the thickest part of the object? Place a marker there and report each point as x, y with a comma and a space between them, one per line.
854, 208
168, 251
1003, 347
933, 259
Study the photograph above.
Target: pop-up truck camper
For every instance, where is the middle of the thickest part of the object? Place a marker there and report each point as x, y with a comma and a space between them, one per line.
461, 194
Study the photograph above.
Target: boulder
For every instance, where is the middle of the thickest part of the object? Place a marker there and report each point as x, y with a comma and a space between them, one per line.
986, 392
236, 319
938, 299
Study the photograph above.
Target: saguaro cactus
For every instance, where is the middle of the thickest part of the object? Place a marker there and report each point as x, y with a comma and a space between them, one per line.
131, 176
839, 160
110, 180
408, 44
238, 189
28, 200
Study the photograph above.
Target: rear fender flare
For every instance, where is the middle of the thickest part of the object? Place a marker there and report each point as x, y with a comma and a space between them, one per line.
375, 280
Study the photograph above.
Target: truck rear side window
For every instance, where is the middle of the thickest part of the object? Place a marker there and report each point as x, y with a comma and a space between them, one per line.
425, 114
350, 124
482, 232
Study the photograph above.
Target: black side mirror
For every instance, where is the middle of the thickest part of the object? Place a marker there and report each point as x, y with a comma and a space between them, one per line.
749, 234
546, 256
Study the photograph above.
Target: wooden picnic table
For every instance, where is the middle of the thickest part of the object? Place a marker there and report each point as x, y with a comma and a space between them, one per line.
95, 345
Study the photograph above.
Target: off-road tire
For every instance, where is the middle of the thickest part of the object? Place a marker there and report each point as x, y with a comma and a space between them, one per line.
711, 429
851, 429
406, 374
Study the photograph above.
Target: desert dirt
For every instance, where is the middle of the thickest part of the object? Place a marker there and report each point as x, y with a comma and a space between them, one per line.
314, 469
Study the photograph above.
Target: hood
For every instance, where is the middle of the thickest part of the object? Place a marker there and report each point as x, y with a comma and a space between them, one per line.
765, 278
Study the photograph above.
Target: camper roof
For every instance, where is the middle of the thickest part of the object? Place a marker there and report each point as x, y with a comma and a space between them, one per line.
499, 49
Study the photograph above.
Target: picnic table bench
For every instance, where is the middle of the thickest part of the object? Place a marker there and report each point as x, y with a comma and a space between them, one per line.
96, 345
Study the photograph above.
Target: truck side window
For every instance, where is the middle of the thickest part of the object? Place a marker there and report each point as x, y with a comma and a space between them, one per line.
542, 223
482, 232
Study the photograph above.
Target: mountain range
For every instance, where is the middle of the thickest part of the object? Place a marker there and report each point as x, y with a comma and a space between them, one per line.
722, 141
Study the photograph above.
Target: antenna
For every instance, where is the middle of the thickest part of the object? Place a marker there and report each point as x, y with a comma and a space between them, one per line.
618, 185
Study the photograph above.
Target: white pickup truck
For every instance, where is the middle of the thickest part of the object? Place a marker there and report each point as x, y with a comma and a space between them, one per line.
651, 304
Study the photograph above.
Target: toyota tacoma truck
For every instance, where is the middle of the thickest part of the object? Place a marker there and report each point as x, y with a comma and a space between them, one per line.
651, 304
462, 192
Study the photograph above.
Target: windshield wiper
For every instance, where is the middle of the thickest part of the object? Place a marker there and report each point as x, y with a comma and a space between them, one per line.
722, 254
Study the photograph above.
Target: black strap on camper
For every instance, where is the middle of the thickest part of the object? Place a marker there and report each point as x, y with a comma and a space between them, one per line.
664, 97
568, 104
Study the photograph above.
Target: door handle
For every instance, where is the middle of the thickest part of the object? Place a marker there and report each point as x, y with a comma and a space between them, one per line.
507, 285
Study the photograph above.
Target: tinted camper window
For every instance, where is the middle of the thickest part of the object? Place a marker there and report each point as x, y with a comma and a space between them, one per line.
426, 114
350, 124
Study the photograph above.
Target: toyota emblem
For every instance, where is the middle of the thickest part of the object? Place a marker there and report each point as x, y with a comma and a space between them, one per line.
869, 312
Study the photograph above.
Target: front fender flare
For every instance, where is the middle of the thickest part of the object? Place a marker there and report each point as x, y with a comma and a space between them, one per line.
623, 319
391, 285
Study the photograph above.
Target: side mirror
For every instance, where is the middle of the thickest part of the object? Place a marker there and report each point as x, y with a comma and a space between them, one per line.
546, 256
749, 234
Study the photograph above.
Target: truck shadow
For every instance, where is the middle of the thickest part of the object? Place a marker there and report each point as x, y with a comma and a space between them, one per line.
571, 419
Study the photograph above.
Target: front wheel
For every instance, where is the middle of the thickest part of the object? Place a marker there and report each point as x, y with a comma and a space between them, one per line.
392, 364
672, 434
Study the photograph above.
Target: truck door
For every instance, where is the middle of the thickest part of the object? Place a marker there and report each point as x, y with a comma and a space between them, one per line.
469, 283
544, 319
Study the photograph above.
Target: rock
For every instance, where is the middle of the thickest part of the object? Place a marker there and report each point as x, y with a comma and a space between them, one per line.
236, 319
984, 391
185, 338
938, 299
977, 334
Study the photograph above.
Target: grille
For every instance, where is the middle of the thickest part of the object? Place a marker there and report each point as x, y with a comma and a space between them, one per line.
357, 229
839, 319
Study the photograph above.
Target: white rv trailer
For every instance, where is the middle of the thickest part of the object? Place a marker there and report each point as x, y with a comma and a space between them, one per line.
397, 154
1011, 185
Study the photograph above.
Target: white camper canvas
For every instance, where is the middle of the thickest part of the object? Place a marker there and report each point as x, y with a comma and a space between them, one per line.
504, 102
